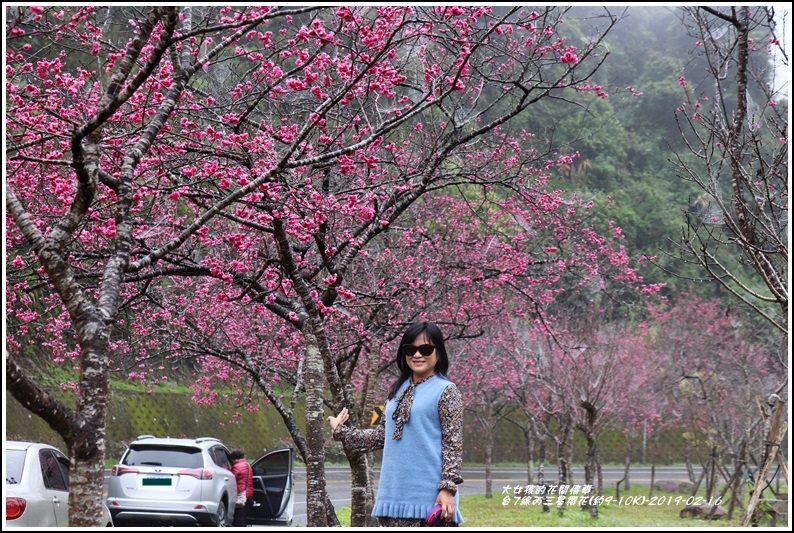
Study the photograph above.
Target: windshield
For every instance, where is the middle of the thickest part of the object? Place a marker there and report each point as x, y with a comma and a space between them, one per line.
173, 456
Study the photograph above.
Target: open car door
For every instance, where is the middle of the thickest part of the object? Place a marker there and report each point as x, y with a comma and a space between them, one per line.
273, 489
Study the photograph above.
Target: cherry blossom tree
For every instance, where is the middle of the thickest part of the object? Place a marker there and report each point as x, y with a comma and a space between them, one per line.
646, 411
587, 374
483, 373
256, 152
606, 380
734, 121
55, 132
530, 393
735, 125
716, 374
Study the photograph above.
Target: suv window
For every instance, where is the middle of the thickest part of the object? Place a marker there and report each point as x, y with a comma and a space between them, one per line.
275, 464
14, 461
154, 455
54, 470
221, 457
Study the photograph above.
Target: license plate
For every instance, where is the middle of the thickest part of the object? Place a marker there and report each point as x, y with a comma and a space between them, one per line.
157, 481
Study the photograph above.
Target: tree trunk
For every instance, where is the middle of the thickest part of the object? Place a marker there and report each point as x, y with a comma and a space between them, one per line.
316, 515
776, 433
590, 470
541, 468
588, 426
359, 485
564, 454
366, 491
530, 451
736, 498
654, 457
653, 477
599, 472
488, 460
712, 472
87, 445
731, 485
697, 482
627, 462
688, 460
569, 479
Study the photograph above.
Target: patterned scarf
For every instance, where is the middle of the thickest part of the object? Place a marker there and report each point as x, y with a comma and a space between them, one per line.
403, 410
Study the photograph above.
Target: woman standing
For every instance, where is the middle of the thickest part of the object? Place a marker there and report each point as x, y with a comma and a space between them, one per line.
422, 438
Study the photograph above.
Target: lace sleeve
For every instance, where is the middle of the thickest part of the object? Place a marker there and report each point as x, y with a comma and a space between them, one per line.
361, 439
450, 409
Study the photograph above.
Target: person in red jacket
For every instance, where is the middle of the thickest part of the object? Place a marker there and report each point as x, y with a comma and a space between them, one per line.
245, 487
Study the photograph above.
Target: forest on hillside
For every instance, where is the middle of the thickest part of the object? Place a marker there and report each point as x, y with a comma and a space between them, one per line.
257, 201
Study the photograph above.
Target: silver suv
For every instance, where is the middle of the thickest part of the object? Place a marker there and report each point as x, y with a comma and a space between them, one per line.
165, 481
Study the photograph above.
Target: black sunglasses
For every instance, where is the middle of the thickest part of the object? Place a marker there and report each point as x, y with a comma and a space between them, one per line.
425, 350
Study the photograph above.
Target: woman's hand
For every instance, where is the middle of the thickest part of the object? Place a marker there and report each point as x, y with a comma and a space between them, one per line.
341, 418
447, 501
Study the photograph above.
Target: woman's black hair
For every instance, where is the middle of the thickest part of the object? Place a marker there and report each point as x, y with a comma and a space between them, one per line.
236, 454
436, 338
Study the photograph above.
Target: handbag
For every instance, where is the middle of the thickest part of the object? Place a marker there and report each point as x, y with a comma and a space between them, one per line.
240, 501
434, 516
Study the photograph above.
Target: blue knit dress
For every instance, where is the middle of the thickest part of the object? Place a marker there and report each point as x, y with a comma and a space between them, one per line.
412, 465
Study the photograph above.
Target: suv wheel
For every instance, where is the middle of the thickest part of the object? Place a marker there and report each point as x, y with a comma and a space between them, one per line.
220, 518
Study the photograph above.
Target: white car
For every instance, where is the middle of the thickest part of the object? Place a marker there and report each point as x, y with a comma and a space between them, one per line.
189, 482
37, 486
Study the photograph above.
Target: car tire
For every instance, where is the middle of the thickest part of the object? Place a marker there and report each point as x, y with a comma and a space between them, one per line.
221, 517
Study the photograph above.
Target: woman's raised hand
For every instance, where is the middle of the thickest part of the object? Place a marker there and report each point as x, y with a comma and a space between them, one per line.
341, 418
